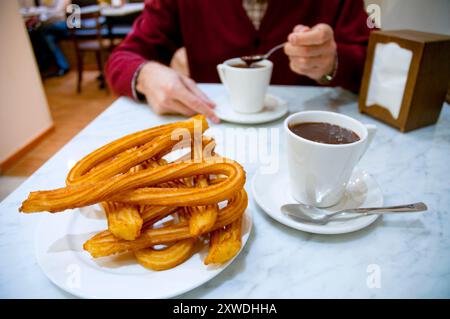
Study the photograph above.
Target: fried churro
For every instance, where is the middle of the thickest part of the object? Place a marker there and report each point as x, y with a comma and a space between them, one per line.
149, 201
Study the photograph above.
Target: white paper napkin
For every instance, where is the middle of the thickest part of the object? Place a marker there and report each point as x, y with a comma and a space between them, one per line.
389, 75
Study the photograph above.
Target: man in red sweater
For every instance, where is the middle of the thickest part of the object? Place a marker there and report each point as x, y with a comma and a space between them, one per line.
326, 45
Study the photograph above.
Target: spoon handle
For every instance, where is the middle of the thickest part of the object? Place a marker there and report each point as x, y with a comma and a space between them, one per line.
416, 207
268, 54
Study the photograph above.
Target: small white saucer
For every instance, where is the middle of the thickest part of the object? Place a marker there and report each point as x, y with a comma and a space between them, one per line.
362, 191
274, 108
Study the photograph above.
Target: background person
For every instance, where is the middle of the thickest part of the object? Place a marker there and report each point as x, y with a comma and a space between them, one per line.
54, 28
49, 27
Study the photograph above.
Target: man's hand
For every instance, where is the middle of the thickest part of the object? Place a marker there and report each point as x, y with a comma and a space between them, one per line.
169, 92
312, 51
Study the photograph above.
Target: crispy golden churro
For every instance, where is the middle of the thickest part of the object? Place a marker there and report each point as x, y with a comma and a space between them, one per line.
149, 201
105, 244
168, 257
224, 243
152, 214
80, 170
124, 221
202, 217
122, 188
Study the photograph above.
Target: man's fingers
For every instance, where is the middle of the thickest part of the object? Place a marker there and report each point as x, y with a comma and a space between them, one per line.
301, 27
310, 50
175, 107
185, 96
319, 34
314, 67
194, 88
308, 63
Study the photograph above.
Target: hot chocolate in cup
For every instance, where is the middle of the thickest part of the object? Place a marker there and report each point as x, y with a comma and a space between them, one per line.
246, 86
320, 166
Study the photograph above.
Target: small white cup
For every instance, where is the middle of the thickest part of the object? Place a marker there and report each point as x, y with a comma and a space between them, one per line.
246, 87
319, 172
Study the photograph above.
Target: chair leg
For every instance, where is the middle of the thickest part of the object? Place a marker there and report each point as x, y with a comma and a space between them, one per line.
80, 71
99, 57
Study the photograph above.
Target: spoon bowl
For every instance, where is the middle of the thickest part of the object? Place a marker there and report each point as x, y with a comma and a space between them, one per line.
250, 59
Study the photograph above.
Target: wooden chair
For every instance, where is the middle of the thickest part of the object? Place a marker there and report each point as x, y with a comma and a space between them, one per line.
91, 37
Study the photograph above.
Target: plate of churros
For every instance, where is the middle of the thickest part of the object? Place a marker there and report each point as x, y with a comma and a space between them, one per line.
151, 215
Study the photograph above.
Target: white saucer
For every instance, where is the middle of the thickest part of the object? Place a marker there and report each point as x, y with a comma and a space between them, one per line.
274, 109
59, 252
362, 191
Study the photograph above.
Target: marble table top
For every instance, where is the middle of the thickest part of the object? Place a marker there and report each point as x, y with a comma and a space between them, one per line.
410, 254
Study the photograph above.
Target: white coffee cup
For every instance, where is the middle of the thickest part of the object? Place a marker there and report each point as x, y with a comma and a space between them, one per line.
246, 87
319, 172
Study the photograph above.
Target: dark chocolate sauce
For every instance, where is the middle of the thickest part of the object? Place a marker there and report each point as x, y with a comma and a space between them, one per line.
324, 133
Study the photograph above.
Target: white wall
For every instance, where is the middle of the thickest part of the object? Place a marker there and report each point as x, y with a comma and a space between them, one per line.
421, 15
24, 113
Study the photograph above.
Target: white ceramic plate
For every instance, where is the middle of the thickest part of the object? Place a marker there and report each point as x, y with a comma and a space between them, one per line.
274, 109
271, 191
59, 240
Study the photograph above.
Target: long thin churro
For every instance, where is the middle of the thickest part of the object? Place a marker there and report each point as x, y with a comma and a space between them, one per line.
150, 201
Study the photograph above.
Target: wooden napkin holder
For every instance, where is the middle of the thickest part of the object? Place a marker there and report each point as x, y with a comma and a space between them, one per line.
426, 83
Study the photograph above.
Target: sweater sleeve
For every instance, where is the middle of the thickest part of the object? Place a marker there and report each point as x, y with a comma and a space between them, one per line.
351, 35
155, 36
